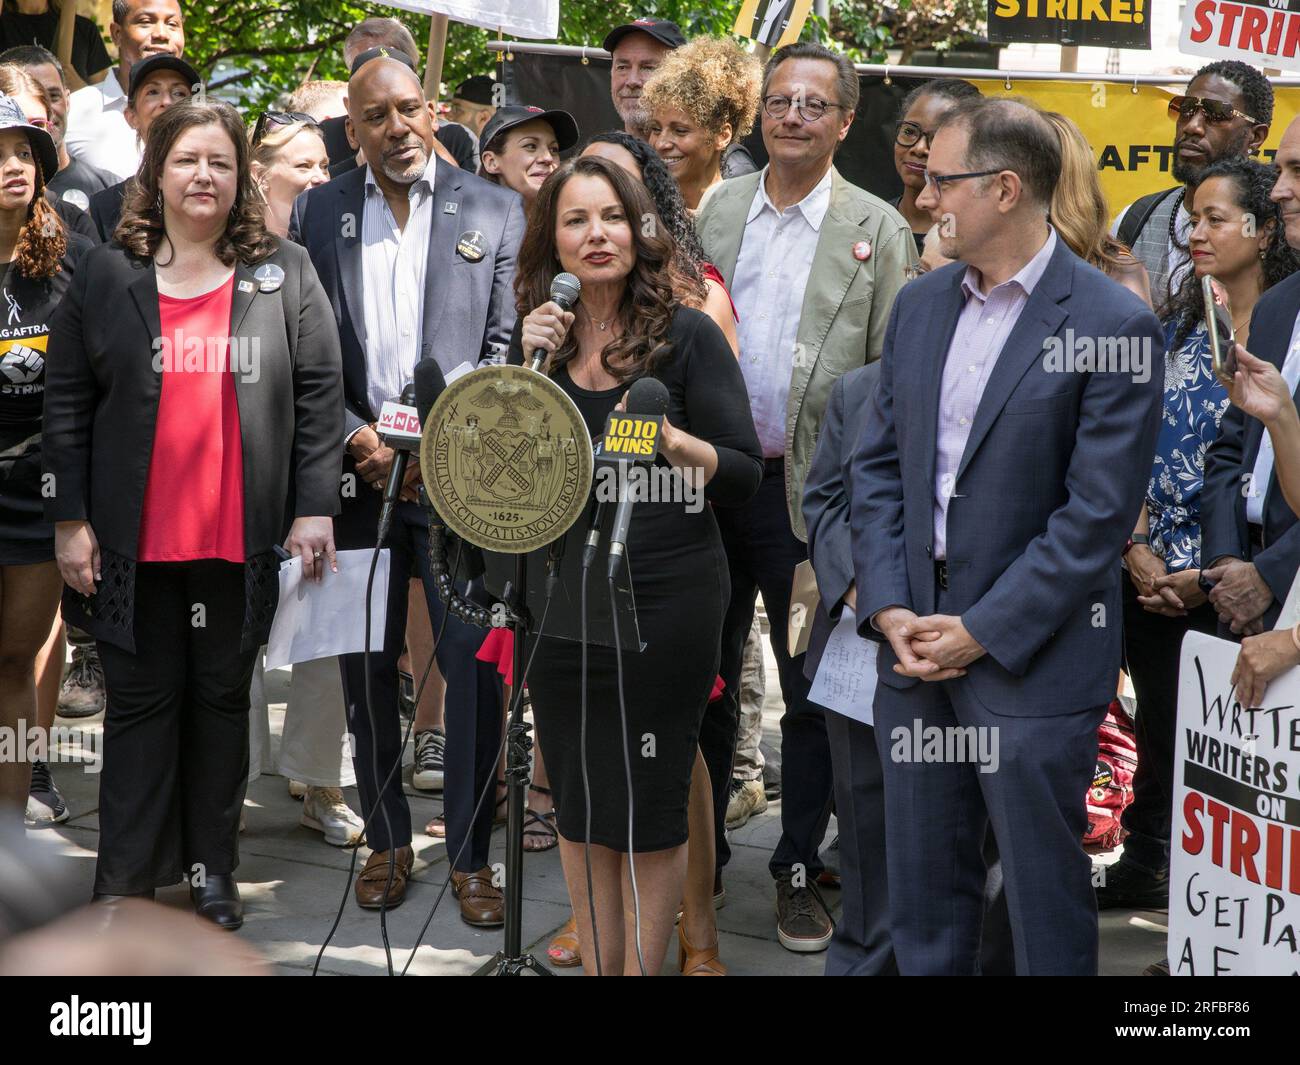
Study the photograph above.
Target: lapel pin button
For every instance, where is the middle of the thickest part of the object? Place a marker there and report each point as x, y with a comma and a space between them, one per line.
246, 286
450, 207
269, 277
862, 250
471, 246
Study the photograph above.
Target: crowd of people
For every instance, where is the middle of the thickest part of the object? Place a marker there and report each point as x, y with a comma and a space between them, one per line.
855, 383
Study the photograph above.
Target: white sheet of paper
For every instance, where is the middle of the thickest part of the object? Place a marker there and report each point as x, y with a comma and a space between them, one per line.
846, 675
464, 368
314, 620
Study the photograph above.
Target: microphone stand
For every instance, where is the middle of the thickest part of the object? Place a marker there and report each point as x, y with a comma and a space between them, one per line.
511, 960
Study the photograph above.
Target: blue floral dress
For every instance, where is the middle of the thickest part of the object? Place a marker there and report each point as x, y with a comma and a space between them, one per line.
1194, 402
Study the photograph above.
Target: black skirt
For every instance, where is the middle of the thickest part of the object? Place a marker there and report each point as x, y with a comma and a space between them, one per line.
680, 601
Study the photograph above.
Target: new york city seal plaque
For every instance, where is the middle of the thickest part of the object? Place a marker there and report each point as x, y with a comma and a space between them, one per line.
506, 459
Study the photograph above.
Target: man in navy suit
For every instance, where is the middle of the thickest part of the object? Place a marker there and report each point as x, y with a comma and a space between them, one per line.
418, 260
995, 483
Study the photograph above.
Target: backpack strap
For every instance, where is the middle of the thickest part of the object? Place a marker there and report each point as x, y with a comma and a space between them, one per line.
1137, 215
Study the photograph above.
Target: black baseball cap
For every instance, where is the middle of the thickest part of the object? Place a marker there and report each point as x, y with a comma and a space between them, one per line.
382, 52
661, 30
566, 128
155, 63
476, 90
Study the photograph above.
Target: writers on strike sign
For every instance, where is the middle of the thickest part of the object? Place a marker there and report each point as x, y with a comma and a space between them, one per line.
1255, 32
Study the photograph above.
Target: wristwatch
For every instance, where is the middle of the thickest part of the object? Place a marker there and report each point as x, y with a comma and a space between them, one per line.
1133, 541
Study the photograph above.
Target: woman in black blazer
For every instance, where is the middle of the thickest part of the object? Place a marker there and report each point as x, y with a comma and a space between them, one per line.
194, 409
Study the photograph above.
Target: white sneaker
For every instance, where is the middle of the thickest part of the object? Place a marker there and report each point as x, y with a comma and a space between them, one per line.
430, 749
324, 810
745, 800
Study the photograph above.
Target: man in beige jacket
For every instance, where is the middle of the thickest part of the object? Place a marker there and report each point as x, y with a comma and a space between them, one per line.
813, 264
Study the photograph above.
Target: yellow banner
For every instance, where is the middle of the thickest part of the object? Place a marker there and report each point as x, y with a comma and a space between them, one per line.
1128, 127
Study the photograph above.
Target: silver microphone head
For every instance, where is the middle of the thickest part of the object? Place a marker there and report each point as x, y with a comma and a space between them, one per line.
565, 290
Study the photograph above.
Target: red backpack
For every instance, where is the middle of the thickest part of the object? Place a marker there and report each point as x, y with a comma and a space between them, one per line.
1112, 784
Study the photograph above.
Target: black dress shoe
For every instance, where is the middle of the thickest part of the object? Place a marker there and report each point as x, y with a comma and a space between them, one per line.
1127, 886
218, 901
101, 897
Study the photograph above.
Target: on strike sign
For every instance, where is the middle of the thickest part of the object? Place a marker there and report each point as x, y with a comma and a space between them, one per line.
1263, 32
1105, 23
1234, 878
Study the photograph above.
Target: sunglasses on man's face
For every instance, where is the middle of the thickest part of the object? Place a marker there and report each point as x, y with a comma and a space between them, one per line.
278, 118
1215, 111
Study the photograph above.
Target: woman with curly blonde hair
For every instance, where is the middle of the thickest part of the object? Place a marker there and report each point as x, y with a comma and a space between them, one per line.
702, 99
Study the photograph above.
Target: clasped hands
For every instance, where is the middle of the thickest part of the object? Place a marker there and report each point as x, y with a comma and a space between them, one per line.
935, 647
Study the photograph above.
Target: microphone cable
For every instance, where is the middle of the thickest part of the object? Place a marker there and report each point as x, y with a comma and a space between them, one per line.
627, 769
352, 868
586, 779
517, 695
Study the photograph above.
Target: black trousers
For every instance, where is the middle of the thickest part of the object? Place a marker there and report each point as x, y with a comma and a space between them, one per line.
762, 552
472, 706
175, 730
1152, 646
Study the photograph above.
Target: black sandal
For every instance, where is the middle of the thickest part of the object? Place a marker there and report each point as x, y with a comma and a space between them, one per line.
545, 824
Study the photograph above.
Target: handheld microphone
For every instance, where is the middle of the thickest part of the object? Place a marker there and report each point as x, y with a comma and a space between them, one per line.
429, 385
565, 290
649, 398
403, 442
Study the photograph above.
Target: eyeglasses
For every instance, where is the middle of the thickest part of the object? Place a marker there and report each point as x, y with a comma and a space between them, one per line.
909, 133
1215, 111
810, 110
935, 182
278, 118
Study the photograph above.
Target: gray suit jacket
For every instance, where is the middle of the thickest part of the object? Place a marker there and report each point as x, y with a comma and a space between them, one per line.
469, 307
827, 499
845, 305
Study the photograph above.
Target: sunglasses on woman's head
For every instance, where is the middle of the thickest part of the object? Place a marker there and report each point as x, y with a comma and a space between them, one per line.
279, 118
1215, 111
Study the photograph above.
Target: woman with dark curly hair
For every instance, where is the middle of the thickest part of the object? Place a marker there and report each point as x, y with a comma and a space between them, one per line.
1237, 237
630, 324
39, 258
694, 278
175, 478
702, 99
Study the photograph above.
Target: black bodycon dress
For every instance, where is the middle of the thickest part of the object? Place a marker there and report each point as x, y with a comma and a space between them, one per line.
680, 582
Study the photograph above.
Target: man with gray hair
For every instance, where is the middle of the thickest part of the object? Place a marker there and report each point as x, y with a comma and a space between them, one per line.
992, 495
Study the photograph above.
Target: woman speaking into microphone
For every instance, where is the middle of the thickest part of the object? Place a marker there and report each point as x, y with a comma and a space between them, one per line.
628, 325
194, 408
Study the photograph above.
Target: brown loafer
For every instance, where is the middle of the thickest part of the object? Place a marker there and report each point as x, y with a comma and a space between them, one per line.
370, 884
481, 904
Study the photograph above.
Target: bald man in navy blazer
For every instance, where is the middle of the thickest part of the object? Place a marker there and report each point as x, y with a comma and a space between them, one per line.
995, 484
418, 260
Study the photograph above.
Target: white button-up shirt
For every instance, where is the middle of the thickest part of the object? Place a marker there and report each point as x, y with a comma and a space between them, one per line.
393, 265
1257, 489
776, 256
97, 130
